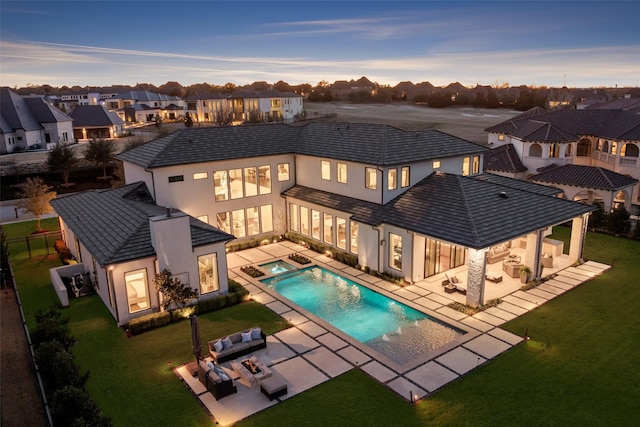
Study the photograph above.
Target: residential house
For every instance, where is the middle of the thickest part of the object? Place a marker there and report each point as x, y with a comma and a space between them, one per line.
143, 106
413, 204
245, 106
95, 122
30, 123
123, 239
608, 139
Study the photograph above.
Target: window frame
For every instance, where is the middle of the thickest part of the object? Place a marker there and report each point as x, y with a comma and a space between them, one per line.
325, 170
392, 179
341, 172
368, 184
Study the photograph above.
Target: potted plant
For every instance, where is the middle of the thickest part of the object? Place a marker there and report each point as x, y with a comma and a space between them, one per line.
525, 274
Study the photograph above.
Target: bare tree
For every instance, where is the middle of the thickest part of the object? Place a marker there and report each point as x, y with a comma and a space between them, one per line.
35, 199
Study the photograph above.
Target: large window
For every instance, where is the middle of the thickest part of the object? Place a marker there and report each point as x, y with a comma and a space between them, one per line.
220, 185
554, 150
137, 294
466, 166
253, 222
442, 256
235, 182
476, 164
283, 172
341, 233
304, 220
354, 236
238, 223
392, 179
264, 172
341, 169
266, 218
326, 170
629, 150
406, 178
371, 178
395, 251
315, 224
250, 182
328, 229
293, 217
535, 150
223, 221
614, 148
208, 270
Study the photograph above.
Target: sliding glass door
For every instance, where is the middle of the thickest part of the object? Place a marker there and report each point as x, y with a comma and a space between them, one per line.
442, 256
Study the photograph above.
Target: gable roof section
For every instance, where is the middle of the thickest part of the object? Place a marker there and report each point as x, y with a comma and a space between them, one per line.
585, 176
364, 143
145, 96
468, 211
15, 111
504, 159
93, 115
113, 224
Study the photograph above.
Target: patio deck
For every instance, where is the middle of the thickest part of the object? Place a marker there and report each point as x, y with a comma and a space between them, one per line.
312, 351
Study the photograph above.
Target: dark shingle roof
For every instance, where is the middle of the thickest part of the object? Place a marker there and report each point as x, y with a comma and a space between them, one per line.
113, 224
365, 143
569, 125
503, 159
26, 112
476, 212
93, 115
585, 176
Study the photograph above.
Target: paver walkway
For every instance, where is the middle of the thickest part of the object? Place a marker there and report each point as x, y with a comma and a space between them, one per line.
312, 351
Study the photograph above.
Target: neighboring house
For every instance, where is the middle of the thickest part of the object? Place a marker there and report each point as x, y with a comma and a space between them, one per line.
144, 106
245, 106
122, 238
69, 102
30, 123
600, 138
94, 121
413, 204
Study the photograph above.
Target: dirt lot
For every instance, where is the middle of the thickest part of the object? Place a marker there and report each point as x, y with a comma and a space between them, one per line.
464, 122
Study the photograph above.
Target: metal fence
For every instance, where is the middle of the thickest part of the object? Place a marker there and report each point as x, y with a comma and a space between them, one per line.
33, 244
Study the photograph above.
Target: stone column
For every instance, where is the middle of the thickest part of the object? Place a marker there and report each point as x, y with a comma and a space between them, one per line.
476, 267
534, 252
578, 231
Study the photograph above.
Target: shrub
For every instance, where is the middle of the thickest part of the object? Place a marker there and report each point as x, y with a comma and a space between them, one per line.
57, 367
51, 326
300, 259
72, 406
252, 271
237, 294
468, 310
337, 254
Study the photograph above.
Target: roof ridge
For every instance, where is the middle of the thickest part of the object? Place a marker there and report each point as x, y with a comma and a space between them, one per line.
459, 179
606, 176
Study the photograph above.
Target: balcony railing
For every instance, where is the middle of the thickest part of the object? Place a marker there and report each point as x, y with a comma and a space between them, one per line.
628, 161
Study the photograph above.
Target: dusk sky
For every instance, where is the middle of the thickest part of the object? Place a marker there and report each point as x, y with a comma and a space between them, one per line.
539, 43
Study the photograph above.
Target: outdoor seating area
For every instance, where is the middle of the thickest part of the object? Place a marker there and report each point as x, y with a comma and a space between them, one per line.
238, 344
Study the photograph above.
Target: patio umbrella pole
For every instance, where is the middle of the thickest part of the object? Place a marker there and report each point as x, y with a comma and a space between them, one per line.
195, 340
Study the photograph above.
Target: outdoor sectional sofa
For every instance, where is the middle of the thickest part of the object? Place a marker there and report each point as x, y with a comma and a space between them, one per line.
214, 382
497, 253
238, 344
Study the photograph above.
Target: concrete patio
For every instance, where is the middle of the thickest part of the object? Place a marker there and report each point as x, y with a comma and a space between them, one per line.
312, 351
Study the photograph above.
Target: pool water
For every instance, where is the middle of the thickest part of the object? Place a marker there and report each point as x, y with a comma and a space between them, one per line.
389, 327
277, 267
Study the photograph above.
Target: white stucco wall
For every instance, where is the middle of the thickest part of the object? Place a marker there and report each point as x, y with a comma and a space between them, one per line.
135, 173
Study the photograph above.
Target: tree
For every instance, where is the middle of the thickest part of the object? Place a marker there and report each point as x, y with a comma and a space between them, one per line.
173, 290
100, 151
35, 199
62, 159
188, 121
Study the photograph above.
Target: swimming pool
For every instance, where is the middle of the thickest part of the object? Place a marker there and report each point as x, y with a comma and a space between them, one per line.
394, 329
277, 267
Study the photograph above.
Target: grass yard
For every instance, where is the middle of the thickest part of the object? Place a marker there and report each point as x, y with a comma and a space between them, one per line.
580, 367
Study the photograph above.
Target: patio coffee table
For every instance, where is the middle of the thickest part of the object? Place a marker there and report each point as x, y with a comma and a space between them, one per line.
251, 370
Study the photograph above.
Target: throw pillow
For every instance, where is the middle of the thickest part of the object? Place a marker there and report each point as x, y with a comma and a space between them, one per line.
246, 336
222, 374
255, 333
226, 342
217, 345
210, 365
454, 279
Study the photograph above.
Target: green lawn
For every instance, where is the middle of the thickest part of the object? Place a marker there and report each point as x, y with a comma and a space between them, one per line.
581, 365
